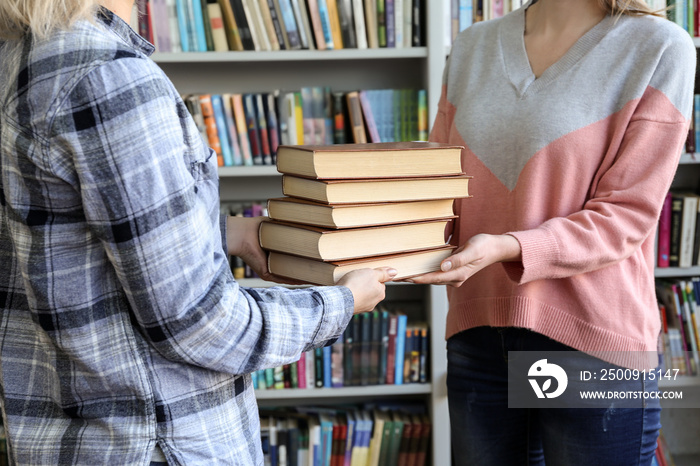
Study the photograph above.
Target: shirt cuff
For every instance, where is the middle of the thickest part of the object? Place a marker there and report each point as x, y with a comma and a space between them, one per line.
338, 309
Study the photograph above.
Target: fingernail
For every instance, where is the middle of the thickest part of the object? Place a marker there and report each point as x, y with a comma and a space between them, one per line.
446, 266
392, 272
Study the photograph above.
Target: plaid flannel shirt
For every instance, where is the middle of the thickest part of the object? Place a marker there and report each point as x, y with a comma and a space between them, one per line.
120, 322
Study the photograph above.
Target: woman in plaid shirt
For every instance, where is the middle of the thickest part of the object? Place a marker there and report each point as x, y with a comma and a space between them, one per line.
121, 326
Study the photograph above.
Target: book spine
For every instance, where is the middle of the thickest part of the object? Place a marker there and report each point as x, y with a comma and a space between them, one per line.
336, 363
347, 28
391, 350
252, 127
290, 24
357, 123
173, 26
264, 134
326, 24
232, 130
206, 21
381, 22
205, 102
348, 342
218, 31
335, 24
416, 25
199, 25
383, 346
423, 370
181, 9
422, 115
663, 245
339, 128
267, 25
390, 23
273, 125
243, 27
301, 371
233, 36
368, 113
316, 25
676, 225
400, 350
303, 33
318, 368
242, 127
221, 128
359, 21
278, 25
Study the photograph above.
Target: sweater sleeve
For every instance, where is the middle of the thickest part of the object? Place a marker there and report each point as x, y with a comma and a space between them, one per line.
624, 206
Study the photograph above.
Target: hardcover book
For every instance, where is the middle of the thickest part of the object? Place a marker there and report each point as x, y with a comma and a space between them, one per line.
289, 209
328, 273
370, 160
352, 191
333, 245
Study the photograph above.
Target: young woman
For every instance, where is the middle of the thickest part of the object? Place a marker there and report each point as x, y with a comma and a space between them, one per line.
573, 115
124, 337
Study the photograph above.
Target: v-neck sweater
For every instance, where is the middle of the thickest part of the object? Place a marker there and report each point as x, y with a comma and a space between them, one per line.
575, 165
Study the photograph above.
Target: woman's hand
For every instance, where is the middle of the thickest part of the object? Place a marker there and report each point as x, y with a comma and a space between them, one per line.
367, 286
242, 241
477, 253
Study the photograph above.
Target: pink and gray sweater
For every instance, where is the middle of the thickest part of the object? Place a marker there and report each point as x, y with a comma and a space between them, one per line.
574, 164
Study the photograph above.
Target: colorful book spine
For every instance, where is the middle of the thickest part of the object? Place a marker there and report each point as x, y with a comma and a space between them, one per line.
400, 349
207, 106
422, 115
262, 128
241, 126
199, 25
218, 105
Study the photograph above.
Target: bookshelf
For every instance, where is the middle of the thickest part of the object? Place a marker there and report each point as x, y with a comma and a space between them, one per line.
343, 70
681, 426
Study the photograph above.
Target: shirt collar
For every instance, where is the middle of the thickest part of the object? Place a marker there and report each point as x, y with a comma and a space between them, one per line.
122, 29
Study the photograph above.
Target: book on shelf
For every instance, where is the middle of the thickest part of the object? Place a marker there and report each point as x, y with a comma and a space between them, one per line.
678, 235
355, 191
233, 35
384, 160
334, 245
289, 209
317, 272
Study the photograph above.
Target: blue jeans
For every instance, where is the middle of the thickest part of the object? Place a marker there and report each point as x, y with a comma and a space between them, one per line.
486, 432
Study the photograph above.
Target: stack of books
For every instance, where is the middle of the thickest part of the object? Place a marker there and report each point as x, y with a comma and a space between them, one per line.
352, 206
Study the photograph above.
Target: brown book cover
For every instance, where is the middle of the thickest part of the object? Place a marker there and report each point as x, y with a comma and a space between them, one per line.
359, 191
357, 122
422, 453
318, 272
406, 438
289, 209
233, 35
351, 243
370, 160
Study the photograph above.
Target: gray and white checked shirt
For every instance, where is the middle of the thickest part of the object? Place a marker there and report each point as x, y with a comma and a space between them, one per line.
120, 322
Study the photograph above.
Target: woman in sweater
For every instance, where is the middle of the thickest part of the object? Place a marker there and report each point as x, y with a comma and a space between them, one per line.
573, 115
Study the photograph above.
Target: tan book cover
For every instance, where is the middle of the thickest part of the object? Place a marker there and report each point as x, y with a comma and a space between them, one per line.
289, 209
352, 243
317, 272
370, 160
357, 191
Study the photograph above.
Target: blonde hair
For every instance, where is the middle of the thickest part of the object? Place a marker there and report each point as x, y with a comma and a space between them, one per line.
629, 8
41, 17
